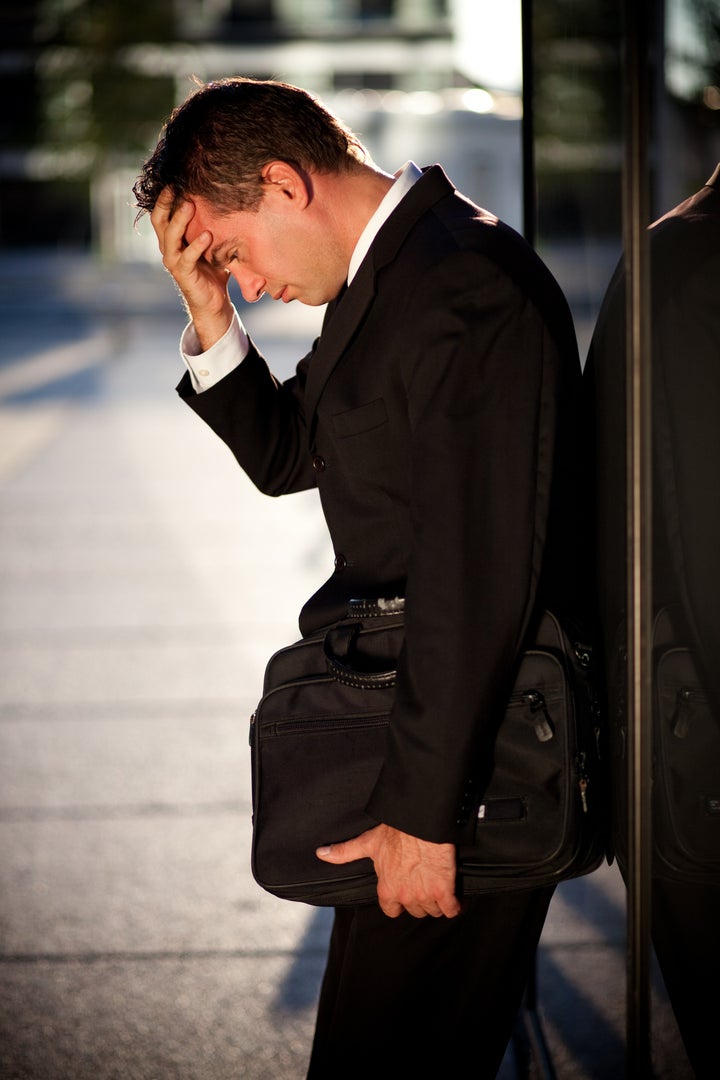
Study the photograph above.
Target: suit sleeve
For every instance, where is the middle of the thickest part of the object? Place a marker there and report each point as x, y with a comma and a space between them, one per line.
482, 382
261, 420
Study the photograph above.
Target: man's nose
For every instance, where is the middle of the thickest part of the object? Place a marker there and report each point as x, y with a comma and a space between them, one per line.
252, 286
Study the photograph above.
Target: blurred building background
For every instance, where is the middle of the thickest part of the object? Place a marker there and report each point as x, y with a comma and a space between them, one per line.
87, 83
91, 81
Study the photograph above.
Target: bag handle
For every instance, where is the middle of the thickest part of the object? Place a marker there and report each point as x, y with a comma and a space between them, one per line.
337, 647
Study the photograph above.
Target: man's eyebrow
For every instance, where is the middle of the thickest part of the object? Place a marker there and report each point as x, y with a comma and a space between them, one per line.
215, 259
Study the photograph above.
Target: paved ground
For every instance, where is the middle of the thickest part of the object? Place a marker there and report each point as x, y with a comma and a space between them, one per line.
144, 583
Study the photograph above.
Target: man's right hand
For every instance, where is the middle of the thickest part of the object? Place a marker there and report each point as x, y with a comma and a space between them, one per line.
204, 289
413, 875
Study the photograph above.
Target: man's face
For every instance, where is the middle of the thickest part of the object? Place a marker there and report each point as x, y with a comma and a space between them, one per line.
275, 250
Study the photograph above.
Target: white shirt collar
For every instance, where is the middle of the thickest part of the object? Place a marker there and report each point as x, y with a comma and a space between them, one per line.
404, 180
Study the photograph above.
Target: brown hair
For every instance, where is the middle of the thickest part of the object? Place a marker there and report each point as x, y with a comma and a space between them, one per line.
216, 143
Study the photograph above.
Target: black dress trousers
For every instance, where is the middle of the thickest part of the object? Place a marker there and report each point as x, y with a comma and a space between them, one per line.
426, 997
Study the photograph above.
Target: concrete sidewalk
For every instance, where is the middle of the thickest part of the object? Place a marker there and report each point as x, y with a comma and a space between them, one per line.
144, 584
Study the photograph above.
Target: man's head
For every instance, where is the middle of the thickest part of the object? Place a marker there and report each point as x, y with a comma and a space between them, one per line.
216, 144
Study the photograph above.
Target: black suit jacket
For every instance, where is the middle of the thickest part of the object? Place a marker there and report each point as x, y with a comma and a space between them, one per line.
435, 414
684, 248
685, 283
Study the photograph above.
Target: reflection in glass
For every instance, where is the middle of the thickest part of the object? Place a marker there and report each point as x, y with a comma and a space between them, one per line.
685, 322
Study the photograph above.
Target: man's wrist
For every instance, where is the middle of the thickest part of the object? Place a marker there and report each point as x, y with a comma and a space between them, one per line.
211, 328
209, 366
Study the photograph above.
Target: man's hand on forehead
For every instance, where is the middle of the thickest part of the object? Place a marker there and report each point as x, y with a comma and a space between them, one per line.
203, 288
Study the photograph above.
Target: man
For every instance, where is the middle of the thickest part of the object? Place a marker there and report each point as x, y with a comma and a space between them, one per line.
435, 414
684, 249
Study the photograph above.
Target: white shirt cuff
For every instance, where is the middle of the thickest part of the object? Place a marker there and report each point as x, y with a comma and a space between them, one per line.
208, 368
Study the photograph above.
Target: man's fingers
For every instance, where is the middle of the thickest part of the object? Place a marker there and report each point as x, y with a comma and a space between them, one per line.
162, 210
391, 908
347, 851
418, 910
166, 197
418, 906
450, 907
170, 226
199, 245
413, 876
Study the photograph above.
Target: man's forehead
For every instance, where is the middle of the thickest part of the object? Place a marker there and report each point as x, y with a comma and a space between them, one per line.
205, 217
225, 228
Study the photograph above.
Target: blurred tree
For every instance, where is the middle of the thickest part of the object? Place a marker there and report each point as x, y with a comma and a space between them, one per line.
78, 108
88, 91
707, 17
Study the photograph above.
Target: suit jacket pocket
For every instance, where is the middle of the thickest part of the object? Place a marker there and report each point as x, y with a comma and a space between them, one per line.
355, 421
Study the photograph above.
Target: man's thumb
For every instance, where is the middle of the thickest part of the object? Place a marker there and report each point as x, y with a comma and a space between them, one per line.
343, 852
330, 853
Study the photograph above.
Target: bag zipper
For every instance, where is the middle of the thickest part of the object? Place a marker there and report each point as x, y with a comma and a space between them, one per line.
545, 729
318, 723
685, 697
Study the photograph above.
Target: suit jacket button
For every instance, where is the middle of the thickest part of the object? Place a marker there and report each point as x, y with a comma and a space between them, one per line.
318, 463
340, 562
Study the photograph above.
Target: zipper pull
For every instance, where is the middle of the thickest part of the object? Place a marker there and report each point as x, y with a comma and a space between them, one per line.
542, 724
583, 654
252, 725
683, 714
583, 782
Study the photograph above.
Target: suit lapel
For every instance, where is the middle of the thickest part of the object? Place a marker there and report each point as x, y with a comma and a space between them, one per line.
347, 312
340, 324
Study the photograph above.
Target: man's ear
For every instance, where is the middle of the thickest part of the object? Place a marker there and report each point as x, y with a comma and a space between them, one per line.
287, 183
